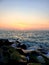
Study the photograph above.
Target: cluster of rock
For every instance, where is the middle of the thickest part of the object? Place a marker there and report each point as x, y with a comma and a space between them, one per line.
17, 53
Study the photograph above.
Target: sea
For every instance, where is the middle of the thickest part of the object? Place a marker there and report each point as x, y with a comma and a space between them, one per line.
30, 38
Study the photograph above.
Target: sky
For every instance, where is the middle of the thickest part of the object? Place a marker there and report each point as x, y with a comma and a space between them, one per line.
24, 14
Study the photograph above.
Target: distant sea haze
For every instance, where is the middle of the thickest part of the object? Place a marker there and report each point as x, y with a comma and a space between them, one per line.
27, 37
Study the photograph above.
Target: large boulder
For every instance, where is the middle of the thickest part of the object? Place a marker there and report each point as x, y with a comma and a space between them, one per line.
10, 55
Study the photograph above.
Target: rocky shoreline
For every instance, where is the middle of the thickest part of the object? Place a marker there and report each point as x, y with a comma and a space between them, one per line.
14, 52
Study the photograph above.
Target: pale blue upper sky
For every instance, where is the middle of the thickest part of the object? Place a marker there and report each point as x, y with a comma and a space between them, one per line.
25, 5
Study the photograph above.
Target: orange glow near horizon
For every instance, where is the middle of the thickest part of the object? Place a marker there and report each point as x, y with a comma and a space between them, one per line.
23, 22
24, 25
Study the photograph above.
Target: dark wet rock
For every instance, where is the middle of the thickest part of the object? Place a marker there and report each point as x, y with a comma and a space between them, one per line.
33, 57
18, 42
20, 51
34, 64
45, 58
43, 51
20, 45
14, 45
1, 55
5, 42
9, 55
13, 62
23, 46
16, 55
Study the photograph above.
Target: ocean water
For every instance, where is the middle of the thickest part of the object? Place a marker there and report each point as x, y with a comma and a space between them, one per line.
30, 38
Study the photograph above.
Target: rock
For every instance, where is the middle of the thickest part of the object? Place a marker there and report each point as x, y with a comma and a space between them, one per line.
9, 55
40, 59
34, 64
23, 46
18, 42
20, 51
19, 54
5, 42
14, 45
33, 57
43, 51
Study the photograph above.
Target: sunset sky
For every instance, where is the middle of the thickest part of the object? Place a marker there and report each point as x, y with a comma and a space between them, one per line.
24, 14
